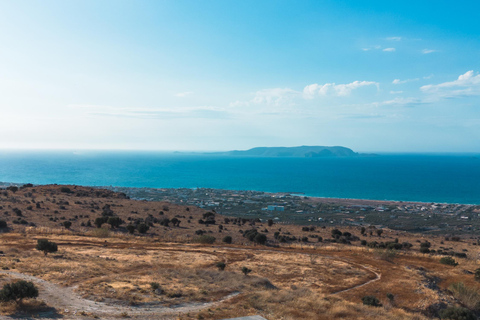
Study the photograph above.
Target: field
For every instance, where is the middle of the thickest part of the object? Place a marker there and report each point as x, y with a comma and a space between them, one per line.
171, 272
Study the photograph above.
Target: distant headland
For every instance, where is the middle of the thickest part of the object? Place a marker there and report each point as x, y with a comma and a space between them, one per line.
299, 152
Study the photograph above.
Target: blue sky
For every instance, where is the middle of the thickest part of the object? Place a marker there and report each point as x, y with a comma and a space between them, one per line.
219, 75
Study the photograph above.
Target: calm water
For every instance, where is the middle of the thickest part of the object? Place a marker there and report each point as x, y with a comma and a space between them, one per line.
428, 178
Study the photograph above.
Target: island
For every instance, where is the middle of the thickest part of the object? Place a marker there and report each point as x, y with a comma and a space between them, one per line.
299, 152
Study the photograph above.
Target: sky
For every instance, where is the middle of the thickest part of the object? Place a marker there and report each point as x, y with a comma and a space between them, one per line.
374, 76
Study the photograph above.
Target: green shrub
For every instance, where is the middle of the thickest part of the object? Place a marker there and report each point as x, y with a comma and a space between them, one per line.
424, 250
46, 246
371, 301
3, 224
448, 261
67, 224
154, 286
142, 228
115, 222
227, 239
221, 265
390, 296
261, 238
18, 291
457, 313
131, 228
246, 271
65, 190
205, 239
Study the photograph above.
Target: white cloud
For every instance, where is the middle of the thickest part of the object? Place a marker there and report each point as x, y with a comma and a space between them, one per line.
310, 91
183, 94
465, 85
275, 96
389, 49
427, 51
398, 81
394, 38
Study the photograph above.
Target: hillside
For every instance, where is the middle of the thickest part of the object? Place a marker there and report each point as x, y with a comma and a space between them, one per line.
171, 269
302, 151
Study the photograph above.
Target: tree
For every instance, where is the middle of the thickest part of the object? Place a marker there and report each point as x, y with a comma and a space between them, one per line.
246, 271
270, 222
379, 232
260, 238
18, 290
175, 222
362, 230
99, 221
221, 265
142, 228
67, 224
115, 222
46, 246
131, 228
227, 239
165, 222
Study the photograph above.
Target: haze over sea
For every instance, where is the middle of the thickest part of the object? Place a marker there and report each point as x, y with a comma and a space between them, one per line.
407, 177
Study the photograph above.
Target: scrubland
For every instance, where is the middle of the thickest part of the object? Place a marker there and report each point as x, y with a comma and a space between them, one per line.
167, 272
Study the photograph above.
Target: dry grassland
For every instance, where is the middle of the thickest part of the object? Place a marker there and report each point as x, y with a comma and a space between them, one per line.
288, 281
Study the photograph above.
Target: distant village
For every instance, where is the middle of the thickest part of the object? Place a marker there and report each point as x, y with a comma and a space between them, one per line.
294, 208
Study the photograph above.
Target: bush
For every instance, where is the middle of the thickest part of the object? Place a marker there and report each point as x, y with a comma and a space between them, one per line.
131, 228
46, 246
246, 271
65, 190
154, 286
142, 228
227, 239
67, 224
390, 296
457, 313
371, 301
387, 255
477, 274
221, 265
99, 221
261, 238
18, 291
115, 222
205, 239
100, 233
3, 224
424, 250
448, 261
467, 296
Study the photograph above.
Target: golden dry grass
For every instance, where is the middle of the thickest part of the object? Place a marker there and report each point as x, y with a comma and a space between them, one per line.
110, 265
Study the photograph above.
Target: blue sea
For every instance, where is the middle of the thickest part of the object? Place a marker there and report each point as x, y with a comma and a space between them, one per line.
408, 177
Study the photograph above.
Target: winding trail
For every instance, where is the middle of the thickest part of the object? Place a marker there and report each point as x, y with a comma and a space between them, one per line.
71, 304
378, 276
65, 298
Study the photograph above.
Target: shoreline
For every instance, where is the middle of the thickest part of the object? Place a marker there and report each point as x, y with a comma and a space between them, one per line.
350, 201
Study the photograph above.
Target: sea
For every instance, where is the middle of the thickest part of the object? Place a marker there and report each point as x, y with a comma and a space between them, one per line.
445, 178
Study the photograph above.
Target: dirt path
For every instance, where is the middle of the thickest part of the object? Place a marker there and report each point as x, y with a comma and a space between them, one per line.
65, 299
378, 276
